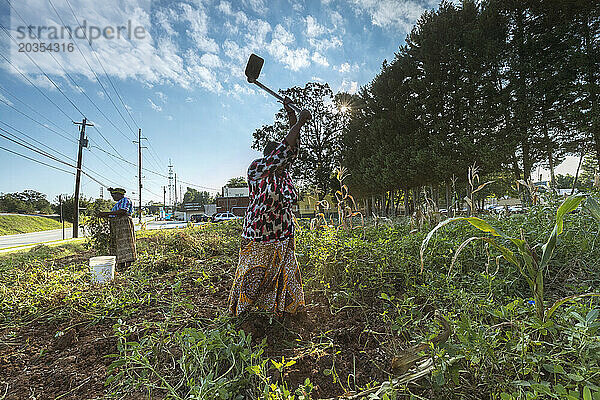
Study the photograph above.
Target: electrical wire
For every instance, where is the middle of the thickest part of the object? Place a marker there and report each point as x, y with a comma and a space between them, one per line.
36, 112
86, 61
37, 161
35, 86
43, 72
38, 122
35, 140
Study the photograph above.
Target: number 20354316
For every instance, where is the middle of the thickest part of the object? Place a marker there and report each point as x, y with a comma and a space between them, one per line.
44, 47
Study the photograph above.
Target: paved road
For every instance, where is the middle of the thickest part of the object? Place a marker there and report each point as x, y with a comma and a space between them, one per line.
23, 239
34, 237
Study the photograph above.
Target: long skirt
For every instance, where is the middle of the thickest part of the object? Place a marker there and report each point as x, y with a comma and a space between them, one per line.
267, 277
122, 238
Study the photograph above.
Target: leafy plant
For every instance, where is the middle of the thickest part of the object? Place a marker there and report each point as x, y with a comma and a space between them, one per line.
527, 261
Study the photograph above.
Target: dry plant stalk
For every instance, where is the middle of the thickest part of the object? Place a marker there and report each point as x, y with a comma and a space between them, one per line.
473, 175
346, 206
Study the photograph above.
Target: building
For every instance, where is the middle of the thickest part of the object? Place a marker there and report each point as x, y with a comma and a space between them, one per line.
234, 204
234, 200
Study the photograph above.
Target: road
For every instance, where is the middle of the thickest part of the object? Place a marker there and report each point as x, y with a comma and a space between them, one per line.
32, 238
22, 239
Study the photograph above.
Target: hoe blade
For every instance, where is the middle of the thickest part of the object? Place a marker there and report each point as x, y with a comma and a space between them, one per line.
253, 67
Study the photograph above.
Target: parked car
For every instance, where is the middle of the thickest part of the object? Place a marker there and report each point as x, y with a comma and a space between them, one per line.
515, 209
226, 216
200, 218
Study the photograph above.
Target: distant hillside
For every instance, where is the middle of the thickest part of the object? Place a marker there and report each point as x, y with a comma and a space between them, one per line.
12, 224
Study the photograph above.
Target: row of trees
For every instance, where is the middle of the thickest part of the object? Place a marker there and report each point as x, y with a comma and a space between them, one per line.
26, 202
503, 85
506, 84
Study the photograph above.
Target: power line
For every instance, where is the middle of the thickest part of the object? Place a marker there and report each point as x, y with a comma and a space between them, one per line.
35, 140
36, 112
71, 78
38, 122
106, 140
157, 159
43, 72
35, 86
37, 161
88, 64
35, 149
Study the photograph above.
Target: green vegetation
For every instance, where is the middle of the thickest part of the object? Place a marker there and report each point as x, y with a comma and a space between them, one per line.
26, 202
13, 224
371, 314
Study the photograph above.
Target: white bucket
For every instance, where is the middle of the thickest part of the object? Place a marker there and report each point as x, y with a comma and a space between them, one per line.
103, 268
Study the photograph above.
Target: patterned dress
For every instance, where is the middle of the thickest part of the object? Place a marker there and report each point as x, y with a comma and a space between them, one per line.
268, 275
122, 232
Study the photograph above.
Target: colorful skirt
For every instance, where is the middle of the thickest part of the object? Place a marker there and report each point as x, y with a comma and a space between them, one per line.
267, 277
122, 239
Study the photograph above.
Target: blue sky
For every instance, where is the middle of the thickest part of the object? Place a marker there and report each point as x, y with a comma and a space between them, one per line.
182, 82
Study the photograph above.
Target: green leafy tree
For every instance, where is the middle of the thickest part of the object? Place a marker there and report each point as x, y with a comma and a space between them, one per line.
320, 139
28, 201
239, 182
68, 207
197, 197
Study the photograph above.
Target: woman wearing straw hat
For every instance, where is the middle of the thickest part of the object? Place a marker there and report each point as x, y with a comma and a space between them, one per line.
122, 233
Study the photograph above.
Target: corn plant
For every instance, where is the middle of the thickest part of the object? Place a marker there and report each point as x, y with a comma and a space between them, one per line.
473, 176
345, 203
530, 265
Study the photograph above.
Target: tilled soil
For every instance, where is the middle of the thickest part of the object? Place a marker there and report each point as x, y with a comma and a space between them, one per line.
68, 359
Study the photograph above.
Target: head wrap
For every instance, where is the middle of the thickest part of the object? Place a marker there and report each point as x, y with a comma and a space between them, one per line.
117, 190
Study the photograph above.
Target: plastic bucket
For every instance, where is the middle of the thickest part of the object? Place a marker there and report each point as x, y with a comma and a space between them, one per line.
103, 268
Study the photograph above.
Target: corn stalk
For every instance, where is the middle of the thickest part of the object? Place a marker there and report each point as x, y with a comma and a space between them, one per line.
526, 260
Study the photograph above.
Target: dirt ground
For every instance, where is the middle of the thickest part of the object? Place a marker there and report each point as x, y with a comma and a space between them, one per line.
67, 359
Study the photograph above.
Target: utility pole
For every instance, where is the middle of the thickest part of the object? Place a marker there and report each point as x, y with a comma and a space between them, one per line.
170, 183
62, 221
83, 142
140, 147
164, 200
175, 205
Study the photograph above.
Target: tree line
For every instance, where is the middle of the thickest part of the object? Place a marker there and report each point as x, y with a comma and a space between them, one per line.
508, 85
505, 85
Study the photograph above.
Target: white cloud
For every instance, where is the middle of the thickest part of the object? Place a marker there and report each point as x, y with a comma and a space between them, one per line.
100, 94
313, 28
345, 67
169, 117
325, 43
154, 106
239, 90
298, 7
400, 14
258, 6
349, 86
336, 19
189, 100
5, 100
161, 96
198, 20
294, 59
320, 59
210, 60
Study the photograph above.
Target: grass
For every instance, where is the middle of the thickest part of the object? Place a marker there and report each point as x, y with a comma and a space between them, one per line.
161, 329
14, 224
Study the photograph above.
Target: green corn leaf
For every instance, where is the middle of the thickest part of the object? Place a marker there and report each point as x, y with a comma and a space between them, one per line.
476, 222
591, 204
570, 204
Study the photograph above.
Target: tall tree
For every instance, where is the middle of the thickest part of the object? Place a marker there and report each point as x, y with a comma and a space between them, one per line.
320, 138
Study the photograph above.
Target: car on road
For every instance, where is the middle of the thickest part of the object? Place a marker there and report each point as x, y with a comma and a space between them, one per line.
200, 218
226, 216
